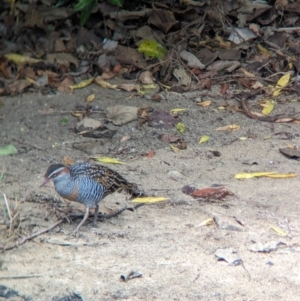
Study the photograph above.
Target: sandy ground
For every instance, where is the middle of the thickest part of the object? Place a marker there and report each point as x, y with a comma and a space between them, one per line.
164, 242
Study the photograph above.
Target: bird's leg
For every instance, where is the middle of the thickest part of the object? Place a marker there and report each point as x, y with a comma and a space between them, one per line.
96, 216
86, 215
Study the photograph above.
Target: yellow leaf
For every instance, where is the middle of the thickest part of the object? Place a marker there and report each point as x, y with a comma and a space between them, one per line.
108, 160
175, 111
152, 49
203, 139
263, 50
278, 230
82, 84
276, 92
223, 44
231, 127
32, 81
221, 108
282, 175
21, 59
149, 199
102, 83
243, 138
174, 148
247, 72
149, 86
180, 127
204, 103
282, 82
90, 98
249, 175
165, 86
207, 222
268, 106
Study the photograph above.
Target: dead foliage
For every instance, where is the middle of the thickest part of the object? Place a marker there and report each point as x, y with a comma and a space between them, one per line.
182, 47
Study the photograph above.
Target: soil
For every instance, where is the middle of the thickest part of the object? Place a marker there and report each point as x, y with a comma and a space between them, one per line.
165, 242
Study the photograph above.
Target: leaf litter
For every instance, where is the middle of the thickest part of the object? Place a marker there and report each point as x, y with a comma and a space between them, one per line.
190, 70
149, 50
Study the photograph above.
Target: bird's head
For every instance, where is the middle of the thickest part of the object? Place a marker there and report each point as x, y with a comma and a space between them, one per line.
55, 172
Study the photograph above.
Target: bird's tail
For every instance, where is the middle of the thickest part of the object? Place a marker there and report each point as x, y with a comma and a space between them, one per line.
134, 190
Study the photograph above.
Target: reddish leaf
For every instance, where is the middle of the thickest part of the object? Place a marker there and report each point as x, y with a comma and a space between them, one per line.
156, 97
196, 71
150, 154
211, 193
224, 88
207, 83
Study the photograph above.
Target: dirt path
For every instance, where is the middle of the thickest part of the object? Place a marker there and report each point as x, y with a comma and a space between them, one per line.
163, 241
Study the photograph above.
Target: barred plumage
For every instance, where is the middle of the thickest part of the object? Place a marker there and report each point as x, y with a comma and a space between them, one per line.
88, 184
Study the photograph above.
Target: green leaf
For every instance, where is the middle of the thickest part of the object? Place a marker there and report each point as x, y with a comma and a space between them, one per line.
87, 10
116, 2
180, 127
84, 4
64, 120
84, 16
50, 27
152, 49
8, 150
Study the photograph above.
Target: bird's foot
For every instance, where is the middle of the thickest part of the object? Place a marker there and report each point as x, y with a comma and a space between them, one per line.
75, 232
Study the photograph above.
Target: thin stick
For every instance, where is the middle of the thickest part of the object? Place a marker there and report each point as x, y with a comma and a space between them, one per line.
20, 277
102, 216
30, 145
7, 207
24, 239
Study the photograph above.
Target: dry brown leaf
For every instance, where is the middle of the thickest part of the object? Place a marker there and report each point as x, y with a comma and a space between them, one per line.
68, 161
204, 103
64, 86
231, 127
109, 74
102, 83
146, 77
224, 88
169, 138
19, 86
90, 98
120, 115
129, 87
192, 60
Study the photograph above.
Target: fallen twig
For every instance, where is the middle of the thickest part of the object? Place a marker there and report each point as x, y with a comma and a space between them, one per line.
24, 239
20, 277
8, 209
30, 145
102, 216
279, 118
72, 215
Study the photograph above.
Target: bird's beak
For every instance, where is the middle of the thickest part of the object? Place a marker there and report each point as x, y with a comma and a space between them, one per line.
46, 180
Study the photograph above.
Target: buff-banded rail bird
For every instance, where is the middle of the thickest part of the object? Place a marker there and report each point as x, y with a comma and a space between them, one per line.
88, 184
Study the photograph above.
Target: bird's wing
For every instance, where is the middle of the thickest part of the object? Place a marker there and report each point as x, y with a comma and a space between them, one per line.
108, 178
